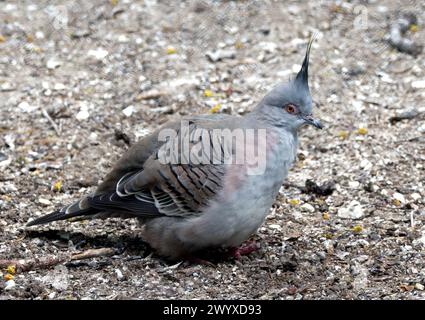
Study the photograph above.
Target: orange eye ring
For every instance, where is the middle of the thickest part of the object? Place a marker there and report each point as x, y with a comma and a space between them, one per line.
290, 108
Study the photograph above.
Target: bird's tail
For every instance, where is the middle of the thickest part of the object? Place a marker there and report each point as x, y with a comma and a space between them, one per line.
77, 209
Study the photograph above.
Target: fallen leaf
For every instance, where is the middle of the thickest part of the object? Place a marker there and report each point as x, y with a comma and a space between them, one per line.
343, 135
216, 108
208, 93
11, 269
362, 131
8, 277
57, 186
357, 229
171, 50
294, 202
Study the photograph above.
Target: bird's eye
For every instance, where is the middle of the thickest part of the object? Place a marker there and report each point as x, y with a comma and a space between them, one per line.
290, 108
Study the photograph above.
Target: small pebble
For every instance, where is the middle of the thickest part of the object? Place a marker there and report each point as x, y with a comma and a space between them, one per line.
353, 211
10, 284
419, 286
399, 197
129, 111
44, 201
119, 274
419, 84
98, 54
307, 207
53, 63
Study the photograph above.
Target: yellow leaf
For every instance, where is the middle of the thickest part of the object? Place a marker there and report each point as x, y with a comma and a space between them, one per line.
357, 229
208, 93
6, 198
294, 202
328, 236
11, 269
238, 45
362, 131
114, 2
2, 39
37, 49
30, 38
396, 202
343, 135
325, 216
171, 50
414, 28
57, 187
8, 277
216, 108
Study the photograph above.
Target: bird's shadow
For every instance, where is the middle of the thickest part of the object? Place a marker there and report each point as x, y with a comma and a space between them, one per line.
132, 245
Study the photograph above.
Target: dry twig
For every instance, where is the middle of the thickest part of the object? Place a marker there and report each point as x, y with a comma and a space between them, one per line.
52, 122
45, 263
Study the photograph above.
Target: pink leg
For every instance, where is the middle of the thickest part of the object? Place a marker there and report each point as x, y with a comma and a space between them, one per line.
243, 250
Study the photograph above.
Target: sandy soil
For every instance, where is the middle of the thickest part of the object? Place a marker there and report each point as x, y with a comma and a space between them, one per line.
108, 72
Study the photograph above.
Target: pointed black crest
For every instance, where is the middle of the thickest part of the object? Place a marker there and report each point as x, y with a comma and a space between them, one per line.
303, 73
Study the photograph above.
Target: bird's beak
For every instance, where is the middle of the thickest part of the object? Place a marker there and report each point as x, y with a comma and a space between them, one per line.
312, 121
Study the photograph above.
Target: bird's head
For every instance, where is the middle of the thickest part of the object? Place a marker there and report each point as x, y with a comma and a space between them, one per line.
289, 104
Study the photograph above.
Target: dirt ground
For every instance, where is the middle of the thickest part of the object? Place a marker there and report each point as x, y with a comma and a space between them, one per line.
81, 80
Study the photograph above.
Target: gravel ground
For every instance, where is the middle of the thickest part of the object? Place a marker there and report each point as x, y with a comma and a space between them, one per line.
81, 80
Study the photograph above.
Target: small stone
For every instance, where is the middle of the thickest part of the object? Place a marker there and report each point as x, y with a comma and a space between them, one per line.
44, 201
354, 184
354, 210
419, 286
307, 208
415, 196
275, 226
399, 197
53, 63
129, 111
26, 107
218, 55
7, 86
93, 137
98, 54
10, 284
59, 86
119, 274
419, 84
83, 114
365, 164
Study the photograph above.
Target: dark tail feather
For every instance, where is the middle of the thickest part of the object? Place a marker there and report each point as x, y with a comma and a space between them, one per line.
62, 215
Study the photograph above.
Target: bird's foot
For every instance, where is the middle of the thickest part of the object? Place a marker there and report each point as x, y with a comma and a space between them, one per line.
243, 250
